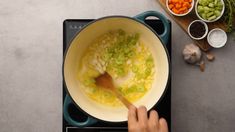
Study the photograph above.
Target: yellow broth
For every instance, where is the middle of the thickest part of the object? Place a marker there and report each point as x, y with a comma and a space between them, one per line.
126, 58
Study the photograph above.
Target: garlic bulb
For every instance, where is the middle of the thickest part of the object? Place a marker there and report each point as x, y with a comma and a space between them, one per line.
192, 54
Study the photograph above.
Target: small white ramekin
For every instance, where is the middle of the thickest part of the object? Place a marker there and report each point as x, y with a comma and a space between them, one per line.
221, 36
205, 25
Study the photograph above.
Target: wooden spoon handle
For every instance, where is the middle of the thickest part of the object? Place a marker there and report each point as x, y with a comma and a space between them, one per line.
126, 102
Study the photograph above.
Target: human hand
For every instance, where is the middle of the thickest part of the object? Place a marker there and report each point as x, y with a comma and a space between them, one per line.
138, 121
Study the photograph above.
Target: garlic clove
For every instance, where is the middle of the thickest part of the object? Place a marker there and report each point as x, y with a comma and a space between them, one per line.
210, 56
202, 66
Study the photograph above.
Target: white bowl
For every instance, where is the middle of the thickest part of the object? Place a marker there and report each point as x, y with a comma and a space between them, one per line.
217, 38
205, 25
222, 12
192, 5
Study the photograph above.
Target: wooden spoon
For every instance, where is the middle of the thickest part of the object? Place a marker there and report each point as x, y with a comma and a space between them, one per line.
106, 81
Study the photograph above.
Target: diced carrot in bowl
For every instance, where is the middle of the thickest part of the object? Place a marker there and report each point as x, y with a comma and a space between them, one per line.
180, 6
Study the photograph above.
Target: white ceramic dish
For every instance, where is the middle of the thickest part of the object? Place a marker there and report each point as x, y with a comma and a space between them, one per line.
222, 12
217, 38
192, 6
205, 25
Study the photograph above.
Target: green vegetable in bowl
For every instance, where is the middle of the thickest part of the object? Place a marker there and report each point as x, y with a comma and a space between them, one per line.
209, 9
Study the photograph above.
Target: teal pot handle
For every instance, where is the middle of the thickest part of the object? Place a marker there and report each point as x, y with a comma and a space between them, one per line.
89, 121
165, 35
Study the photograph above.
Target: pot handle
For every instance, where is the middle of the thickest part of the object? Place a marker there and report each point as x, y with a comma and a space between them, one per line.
165, 35
89, 121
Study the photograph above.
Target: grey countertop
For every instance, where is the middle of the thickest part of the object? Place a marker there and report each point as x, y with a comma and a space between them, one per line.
31, 68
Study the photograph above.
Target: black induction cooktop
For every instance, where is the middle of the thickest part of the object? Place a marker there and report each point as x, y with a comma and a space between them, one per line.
70, 28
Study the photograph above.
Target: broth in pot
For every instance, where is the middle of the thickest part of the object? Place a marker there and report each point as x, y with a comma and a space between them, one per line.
126, 58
